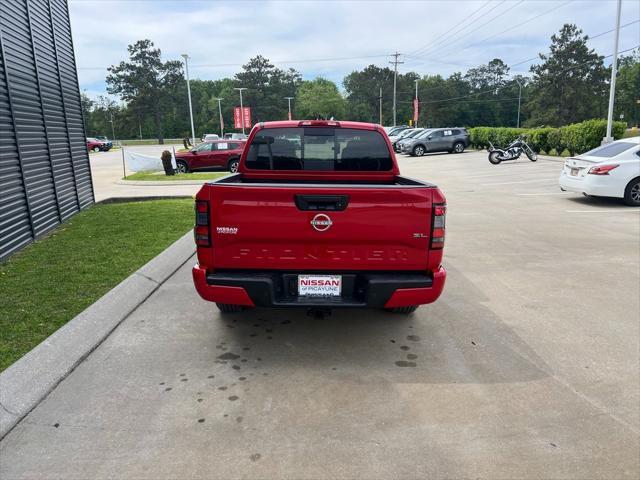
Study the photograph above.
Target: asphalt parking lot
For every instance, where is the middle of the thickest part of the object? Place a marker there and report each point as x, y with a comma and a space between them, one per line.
527, 367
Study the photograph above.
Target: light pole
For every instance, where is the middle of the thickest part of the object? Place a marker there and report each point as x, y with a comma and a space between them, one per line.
380, 105
221, 121
240, 89
614, 73
289, 100
519, 97
186, 68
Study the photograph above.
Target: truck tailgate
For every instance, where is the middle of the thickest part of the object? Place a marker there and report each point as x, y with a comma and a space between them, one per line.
357, 227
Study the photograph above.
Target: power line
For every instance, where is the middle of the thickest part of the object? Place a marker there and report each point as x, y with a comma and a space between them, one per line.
311, 60
494, 89
451, 32
449, 46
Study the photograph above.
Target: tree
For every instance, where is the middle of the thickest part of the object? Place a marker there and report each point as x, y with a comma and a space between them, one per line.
628, 88
146, 82
570, 84
87, 106
266, 87
319, 99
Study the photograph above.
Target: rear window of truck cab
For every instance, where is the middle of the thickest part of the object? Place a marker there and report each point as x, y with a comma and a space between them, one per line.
319, 149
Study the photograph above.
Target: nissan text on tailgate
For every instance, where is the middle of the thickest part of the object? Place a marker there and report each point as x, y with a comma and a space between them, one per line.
318, 216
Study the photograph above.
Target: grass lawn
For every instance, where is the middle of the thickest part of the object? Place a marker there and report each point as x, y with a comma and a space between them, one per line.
155, 177
49, 282
151, 141
632, 132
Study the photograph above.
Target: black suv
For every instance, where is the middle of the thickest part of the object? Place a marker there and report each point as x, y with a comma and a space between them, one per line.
437, 140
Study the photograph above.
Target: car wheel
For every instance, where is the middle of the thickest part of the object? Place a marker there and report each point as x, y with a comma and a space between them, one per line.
418, 151
228, 308
182, 167
233, 165
403, 310
632, 193
458, 147
96, 149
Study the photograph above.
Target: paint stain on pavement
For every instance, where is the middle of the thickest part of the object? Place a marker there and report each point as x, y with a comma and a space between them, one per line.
255, 457
404, 347
413, 338
228, 356
404, 363
233, 398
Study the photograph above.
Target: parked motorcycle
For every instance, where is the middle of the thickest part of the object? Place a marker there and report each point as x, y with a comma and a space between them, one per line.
512, 152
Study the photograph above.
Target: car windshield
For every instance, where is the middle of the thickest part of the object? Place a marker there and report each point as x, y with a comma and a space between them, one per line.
610, 150
424, 133
319, 149
415, 133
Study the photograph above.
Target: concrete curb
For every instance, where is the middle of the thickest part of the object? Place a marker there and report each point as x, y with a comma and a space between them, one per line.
160, 183
28, 381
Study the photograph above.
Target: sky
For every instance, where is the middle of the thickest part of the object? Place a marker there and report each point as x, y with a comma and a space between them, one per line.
331, 38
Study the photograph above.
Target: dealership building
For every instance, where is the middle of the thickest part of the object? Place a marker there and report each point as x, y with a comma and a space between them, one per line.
45, 176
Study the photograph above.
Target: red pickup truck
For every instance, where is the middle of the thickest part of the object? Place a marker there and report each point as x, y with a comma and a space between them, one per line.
318, 216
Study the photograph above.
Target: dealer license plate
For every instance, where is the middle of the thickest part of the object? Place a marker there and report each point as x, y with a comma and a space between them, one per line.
319, 285
574, 172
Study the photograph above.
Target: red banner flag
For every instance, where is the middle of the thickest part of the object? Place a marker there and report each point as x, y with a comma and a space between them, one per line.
247, 117
416, 107
237, 118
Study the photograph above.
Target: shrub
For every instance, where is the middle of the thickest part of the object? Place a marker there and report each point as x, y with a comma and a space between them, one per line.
538, 139
577, 137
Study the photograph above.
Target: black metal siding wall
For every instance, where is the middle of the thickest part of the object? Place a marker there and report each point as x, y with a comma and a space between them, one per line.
44, 165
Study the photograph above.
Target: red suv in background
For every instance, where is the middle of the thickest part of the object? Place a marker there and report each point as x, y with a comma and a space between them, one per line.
223, 154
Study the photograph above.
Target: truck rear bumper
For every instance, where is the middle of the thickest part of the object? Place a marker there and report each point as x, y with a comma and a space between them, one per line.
360, 290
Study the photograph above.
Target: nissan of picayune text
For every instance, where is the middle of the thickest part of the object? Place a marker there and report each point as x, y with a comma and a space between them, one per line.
318, 216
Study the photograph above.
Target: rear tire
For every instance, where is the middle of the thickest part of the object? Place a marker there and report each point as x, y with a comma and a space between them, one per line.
418, 151
96, 149
632, 193
403, 310
494, 157
182, 167
458, 147
233, 165
228, 308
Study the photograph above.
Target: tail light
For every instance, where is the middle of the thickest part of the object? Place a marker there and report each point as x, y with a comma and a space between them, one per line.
438, 226
318, 123
202, 232
602, 170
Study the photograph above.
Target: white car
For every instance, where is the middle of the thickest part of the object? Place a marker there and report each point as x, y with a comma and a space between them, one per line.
210, 137
611, 170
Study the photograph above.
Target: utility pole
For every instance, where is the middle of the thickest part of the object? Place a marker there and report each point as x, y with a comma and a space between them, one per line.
113, 131
220, 113
289, 100
380, 105
186, 68
416, 125
395, 64
240, 89
614, 73
519, 98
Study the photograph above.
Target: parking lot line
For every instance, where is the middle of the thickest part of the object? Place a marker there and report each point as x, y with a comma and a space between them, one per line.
540, 194
533, 180
605, 210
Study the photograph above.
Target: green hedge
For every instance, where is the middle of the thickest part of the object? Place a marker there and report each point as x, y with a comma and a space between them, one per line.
576, 138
